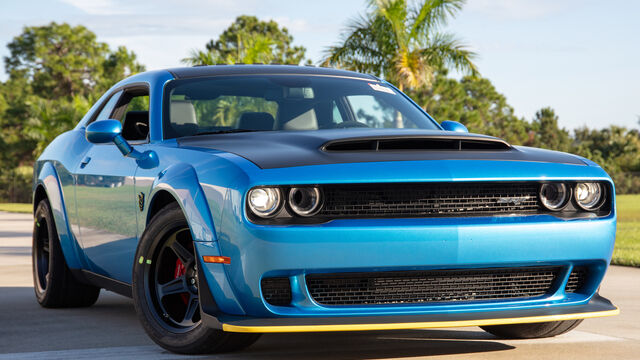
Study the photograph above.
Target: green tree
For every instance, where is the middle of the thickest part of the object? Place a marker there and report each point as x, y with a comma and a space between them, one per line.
474, 102
55, 73
401, 41
64, 61
249, 40
547, 133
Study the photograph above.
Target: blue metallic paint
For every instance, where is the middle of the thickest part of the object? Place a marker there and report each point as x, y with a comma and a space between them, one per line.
454, 126
105, 131
210, 186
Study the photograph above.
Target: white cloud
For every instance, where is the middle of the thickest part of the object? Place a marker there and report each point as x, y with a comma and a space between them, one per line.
99, 7
516, 9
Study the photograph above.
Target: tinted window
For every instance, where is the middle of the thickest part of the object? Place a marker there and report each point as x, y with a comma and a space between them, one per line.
108, 108
284, 102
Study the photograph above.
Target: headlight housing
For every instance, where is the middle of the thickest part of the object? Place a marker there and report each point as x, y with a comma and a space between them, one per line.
265, 201
305, 201
589, 195
554, 196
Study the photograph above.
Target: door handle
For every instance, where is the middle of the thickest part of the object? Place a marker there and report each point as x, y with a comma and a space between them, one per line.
84, 162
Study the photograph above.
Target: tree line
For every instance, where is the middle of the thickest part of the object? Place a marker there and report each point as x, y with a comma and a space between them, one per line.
57, 71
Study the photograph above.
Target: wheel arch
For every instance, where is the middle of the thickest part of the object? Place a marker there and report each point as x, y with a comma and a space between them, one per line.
179, 183
47, 186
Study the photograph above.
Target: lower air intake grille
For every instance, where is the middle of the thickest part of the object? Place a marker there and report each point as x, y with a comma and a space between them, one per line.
276, 291
396, 287
429, 199
576, 279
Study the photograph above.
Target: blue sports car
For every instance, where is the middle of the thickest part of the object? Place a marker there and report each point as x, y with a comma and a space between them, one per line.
231, 201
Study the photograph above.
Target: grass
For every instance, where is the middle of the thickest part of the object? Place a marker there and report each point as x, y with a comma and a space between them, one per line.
17, 208
626, 252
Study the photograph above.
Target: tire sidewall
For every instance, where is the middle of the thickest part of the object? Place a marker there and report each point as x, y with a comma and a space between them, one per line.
162, 225
43, 211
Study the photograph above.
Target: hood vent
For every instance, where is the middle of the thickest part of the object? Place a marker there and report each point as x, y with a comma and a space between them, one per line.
417, 144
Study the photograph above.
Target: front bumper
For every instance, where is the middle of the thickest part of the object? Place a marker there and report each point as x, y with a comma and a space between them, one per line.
404, 244
597, 307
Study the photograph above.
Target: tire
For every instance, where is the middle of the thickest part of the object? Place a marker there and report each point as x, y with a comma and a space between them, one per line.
165, 291
533, 330
54, 284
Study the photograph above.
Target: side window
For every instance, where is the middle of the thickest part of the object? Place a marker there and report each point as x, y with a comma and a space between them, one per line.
336, 117
108, 108
133, 111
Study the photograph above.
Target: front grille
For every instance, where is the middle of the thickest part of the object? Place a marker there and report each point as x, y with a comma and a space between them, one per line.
276, 291
577, 278
409, 287
428, 199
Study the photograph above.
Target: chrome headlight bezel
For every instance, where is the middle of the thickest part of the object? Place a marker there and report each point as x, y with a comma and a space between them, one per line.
593, 204
273, 193
312, 193
558, 187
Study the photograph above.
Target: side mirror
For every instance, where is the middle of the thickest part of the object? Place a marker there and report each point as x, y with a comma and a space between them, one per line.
453, 126
106, 131
103, 131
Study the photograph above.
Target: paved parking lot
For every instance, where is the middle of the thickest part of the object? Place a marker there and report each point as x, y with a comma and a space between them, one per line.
110, 329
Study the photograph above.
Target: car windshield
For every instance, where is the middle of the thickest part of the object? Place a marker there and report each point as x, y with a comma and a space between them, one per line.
285, 102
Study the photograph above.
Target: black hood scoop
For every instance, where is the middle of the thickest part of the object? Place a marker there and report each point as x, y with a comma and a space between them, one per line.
416, 143
280, 149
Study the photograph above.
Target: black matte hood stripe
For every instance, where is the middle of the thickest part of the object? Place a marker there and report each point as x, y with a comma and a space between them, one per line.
280, 149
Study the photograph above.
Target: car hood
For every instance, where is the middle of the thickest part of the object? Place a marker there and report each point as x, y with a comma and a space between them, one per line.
280, 149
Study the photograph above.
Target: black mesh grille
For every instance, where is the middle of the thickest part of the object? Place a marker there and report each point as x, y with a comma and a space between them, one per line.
276, 291
577, 279
428, 199
431, 286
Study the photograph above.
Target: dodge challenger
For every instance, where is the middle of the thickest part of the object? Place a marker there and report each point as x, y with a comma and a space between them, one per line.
231, 201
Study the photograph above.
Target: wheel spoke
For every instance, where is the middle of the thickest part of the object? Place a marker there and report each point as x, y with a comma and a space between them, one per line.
175, 286
192, 308
45, 245
183, 254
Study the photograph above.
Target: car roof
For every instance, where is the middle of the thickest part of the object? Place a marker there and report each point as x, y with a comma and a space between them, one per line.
214, 70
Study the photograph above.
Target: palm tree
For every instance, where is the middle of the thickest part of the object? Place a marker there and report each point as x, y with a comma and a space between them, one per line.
252, 49
399, 40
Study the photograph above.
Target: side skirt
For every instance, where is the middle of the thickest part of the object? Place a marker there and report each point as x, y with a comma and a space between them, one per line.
102, 281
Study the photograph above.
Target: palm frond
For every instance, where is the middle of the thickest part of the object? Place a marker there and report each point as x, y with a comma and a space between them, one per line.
359, 50
433, 13
198, 57
447, 51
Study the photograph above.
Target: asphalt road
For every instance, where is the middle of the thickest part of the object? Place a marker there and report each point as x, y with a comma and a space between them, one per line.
109, 329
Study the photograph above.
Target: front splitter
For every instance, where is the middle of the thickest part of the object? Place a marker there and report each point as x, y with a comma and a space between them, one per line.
597, 307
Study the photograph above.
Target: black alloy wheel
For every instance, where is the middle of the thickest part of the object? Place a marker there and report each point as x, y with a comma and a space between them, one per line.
172, 282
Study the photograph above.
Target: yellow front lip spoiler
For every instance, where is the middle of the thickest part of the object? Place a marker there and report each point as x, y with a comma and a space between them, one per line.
415, 325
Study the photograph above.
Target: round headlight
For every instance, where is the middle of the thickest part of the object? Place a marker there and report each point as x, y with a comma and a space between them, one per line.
264, 202
305, 201
554, 196
589, 196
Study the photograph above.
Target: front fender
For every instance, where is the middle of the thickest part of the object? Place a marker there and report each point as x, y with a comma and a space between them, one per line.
47, 177
181, 181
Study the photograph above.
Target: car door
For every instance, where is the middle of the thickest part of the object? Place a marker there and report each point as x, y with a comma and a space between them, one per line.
105, 192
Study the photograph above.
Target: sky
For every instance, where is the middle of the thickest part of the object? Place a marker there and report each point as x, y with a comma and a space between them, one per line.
580, 57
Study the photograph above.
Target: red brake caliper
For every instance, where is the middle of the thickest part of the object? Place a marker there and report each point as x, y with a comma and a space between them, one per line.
180, 271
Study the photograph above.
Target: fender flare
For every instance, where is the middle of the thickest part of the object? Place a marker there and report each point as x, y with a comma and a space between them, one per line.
47, 178
181, 181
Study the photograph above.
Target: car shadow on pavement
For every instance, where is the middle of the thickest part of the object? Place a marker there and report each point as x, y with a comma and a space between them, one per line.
112, 322
371, 344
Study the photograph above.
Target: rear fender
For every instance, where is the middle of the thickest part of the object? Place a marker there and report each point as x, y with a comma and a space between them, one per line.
48, 179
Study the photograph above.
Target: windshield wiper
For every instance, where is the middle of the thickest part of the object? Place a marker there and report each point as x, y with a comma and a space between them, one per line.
228, 131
